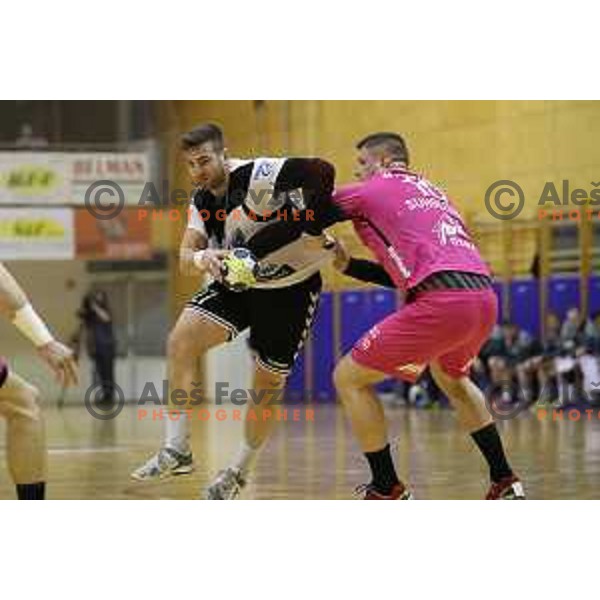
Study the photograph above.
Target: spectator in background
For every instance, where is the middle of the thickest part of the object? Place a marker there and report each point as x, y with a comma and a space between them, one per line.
511, 355
595, 334
587, 362
28, 140
561, 370
97, 325
552, 331
551, 349
576, 328
576, 365
587, 346
567, 372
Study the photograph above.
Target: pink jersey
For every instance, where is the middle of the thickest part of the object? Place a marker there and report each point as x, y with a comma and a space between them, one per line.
410, 225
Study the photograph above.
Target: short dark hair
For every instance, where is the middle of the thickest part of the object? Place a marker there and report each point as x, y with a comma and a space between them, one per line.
393, 143
207, 132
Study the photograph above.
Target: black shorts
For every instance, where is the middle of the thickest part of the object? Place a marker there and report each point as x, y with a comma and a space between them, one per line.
279, 319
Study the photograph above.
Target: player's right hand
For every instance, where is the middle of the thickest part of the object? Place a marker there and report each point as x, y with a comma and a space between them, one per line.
62, 361
211, 260
342, 257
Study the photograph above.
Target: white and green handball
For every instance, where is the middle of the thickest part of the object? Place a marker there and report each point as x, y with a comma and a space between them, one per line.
239, 270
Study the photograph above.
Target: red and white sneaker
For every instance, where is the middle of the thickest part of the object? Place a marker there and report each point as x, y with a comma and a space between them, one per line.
509, 488
399, 492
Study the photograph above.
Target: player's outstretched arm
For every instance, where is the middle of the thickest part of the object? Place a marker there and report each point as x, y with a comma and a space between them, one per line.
360, 268
12, 296
15, 306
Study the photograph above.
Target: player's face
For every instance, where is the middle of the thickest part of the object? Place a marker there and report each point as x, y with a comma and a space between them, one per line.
206, 166
368, 162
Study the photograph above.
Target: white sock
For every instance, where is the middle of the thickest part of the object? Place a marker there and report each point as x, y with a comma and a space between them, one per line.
177, 431
246, 458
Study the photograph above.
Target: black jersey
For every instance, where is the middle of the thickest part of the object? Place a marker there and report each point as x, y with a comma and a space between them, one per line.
274, 207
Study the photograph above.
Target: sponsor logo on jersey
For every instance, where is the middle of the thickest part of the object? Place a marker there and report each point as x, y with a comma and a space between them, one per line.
264, 170
450, 231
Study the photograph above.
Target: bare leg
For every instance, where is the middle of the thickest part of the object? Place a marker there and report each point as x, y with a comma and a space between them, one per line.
268, 387
474, 417
190, 339
354, 385
26, 441
465, 397
258, 431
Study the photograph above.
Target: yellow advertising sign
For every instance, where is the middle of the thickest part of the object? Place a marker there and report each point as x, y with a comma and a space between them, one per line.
37, 233
29, 178
31, 227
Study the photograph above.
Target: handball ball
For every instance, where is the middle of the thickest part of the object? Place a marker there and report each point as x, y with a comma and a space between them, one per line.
239, 270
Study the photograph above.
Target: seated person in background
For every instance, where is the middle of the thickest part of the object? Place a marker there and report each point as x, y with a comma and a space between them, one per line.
577, 328
492, 362
530, 369
567, 373
577, 366
551, 348
594, 338
589, 371
480, 369
587, 350
509, 354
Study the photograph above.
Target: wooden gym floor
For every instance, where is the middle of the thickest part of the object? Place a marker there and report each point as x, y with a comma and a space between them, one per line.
92, 459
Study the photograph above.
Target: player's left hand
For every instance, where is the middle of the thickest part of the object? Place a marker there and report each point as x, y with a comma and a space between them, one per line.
62, 361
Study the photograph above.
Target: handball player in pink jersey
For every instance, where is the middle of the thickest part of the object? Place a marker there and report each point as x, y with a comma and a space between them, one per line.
423, 248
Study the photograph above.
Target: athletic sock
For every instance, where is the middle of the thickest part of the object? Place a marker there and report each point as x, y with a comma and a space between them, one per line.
489, 443
382, 469
246, 458
177, 431
31, 491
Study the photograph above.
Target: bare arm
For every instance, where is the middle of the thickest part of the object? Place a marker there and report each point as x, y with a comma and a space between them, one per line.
193, 240
195, 258
15, 305
12, 296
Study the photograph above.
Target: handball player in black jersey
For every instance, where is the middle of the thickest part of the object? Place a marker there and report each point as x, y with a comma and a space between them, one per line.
277, 208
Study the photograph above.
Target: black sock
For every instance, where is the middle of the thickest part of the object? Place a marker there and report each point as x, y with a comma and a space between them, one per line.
489, 442
382, 468
31, 491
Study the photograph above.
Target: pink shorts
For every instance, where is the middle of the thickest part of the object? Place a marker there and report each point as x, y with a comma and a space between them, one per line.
447, 326
3, 370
